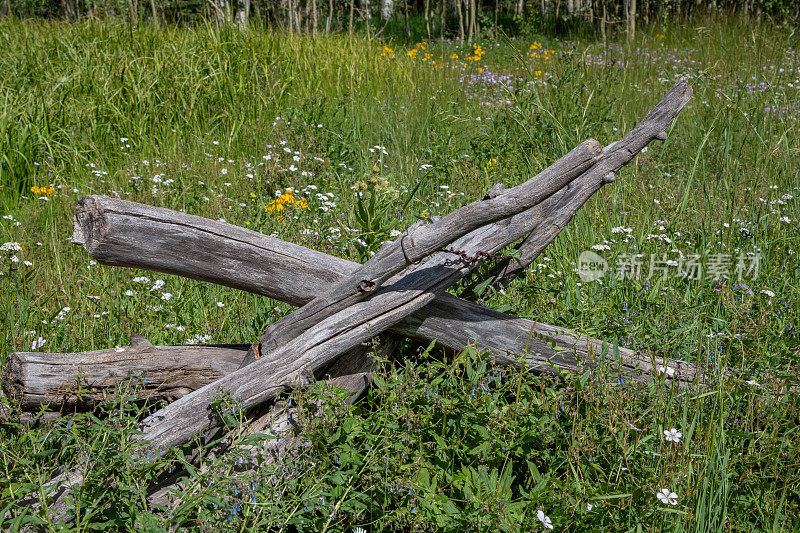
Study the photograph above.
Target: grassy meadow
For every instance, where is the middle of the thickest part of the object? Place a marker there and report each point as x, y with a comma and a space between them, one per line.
276, 134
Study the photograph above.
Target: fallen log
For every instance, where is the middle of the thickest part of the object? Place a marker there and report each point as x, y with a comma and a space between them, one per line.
82, 380
278, 421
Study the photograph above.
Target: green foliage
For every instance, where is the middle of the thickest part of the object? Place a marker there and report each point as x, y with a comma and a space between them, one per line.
211, 122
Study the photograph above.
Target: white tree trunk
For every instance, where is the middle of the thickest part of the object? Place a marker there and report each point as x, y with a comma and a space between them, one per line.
387, 8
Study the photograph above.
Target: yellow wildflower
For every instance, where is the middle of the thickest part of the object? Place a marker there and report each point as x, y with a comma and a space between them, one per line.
43, 191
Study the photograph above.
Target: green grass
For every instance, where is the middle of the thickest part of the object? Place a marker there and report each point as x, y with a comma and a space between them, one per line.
443, 441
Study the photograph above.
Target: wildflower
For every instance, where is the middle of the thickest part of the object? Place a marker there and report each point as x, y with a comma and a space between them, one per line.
753, 383
359, 530
43, 191
545, 520
141, 279
285, 199
38, 343
11, 246
673, 435
667, 497
130, 293
167, 296
158, 284
220, 304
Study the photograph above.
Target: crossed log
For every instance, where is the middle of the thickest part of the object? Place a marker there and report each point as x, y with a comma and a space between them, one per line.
343, 304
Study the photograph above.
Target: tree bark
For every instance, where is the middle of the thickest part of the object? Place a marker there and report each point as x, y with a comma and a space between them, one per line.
79, 381
242, 14
350, 25
154, 13
460, 7
405, 19
427, 9
442, 13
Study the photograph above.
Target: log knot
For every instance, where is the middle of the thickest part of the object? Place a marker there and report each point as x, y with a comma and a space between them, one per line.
366, 286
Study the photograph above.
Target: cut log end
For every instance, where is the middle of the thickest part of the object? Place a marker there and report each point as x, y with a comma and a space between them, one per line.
89, 224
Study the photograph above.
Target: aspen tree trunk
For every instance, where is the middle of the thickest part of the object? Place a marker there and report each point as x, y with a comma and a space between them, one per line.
329, 20
469, 20
242, 14
427, 18
603, 21
350, 24
387, 8
405, 17
442, 11
314, 17
474, 29
460, 7
631, 19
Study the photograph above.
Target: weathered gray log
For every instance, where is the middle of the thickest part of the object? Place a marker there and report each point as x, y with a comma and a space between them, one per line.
82, 380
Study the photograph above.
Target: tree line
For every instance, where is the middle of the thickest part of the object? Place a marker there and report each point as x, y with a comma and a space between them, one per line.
462, 19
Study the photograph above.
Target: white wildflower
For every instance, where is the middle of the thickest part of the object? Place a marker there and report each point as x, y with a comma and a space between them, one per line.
667, 497
38, 343
10, 246
672, 435
545, 520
